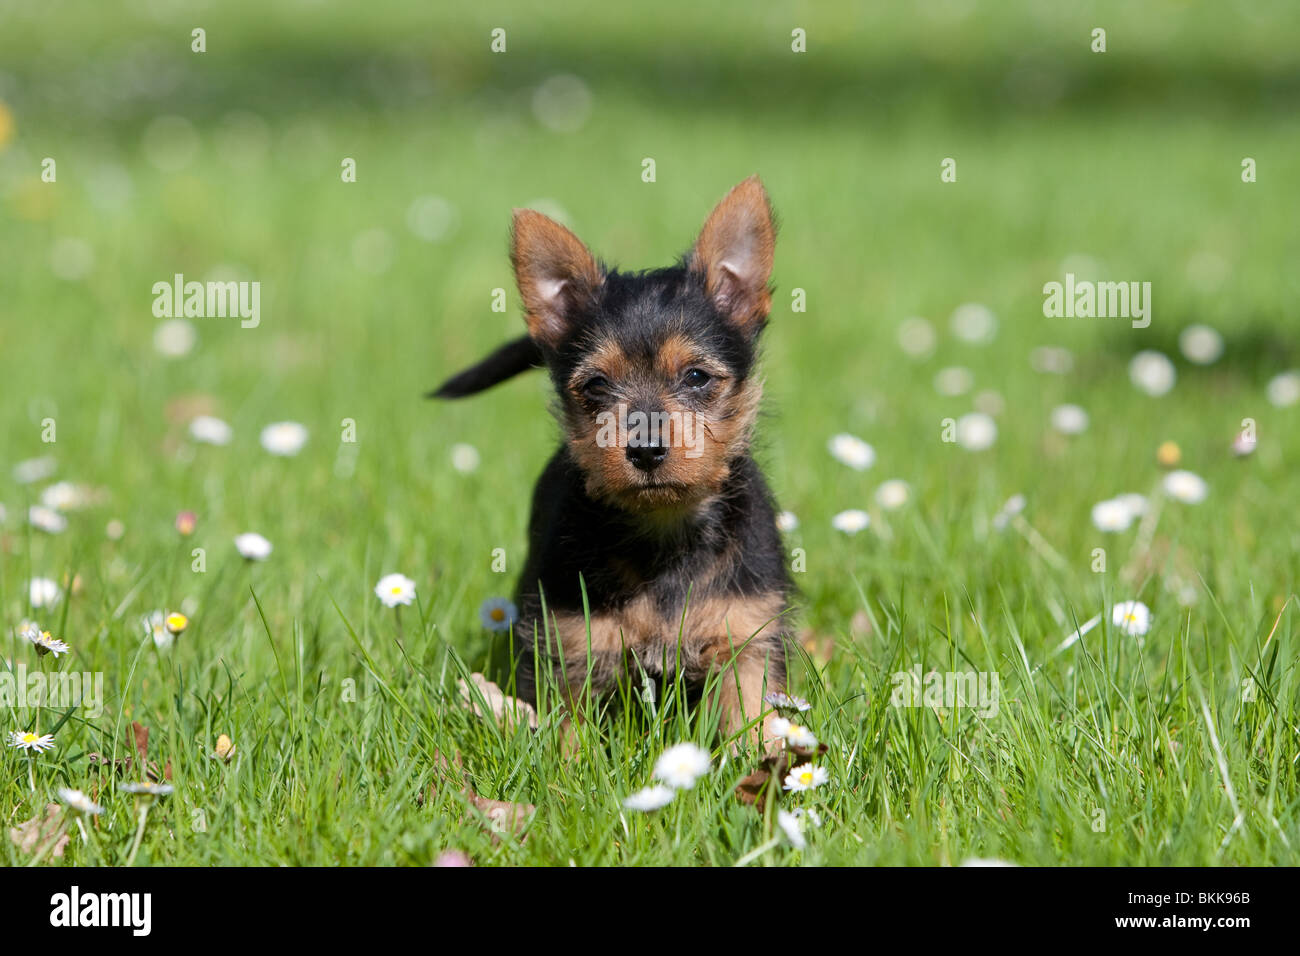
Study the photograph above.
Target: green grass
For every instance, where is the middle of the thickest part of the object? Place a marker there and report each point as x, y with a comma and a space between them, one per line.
1131, 158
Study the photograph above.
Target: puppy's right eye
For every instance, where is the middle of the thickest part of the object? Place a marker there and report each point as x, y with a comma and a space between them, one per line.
595, 388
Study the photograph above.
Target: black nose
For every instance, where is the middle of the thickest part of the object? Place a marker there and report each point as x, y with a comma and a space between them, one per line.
647, 457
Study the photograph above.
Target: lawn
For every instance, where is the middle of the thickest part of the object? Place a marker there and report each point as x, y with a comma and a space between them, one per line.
1174, 746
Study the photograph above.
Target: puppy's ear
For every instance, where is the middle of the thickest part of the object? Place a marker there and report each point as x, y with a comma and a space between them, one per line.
557, 275
734, 253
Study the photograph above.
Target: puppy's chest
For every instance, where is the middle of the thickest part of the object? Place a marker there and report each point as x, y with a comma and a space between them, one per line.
654, 627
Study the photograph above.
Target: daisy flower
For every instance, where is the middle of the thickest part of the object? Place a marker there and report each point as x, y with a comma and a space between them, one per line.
464, 458
786, 521
1152, 372
176, 623
916, 337
852, 451
1111, 515
1131, 617
46, 519
146, 788
32, 470
210, 431
42, 592
284, 438
1243, 444
796, 735
253, 546
806, 777
1186, 487
1201, 344
953, 381
1069, 419
681, 765
29, 631
974, 323
498, 614
792, 829
65, 496
76, 800
45, 644
787, 702
976, 431
1284, 390
851, 521
395, 589
893, 494
155, 626
30, 741
651, 798
1136, 504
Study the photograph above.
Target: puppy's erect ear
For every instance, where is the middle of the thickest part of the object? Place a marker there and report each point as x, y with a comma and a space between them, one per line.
734, 252
557, 275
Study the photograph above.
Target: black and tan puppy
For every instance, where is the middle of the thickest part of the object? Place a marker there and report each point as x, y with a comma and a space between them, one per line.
653, 501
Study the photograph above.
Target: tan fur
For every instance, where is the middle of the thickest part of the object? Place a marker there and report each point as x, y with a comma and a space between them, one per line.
553, 269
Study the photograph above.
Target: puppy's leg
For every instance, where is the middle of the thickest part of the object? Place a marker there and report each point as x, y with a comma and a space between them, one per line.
754, 671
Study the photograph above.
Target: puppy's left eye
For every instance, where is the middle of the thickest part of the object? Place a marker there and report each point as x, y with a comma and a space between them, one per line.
696, 378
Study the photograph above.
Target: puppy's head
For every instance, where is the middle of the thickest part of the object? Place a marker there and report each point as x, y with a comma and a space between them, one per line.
654, 369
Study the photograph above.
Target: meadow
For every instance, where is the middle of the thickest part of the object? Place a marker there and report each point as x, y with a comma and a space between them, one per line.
908, 315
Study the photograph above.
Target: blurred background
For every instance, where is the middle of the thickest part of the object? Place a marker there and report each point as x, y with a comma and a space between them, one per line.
226, 164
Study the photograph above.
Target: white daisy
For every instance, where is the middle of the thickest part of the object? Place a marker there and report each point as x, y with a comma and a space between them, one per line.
1152, 372
1135, 503
681, 765
1244, 444
974, 323
953, 381
30, 741
796, 735
155, 626
32, 470
1201, 344
650, 798
787, 702
395, 589
175, 338
976, 431
851, 521
464, 458
211, 431
147, 788
76, 800
852, 451
786, 521
1131, 617
46, 519
1069, 419
45, 644
916, 337
114, 530
42, 592
65, 496
284, 438
1112, 515
893, 494
1284, 390
253, 546
806, 777
1185, 486
792, 829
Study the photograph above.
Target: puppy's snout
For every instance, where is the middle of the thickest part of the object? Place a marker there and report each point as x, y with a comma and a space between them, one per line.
647, 457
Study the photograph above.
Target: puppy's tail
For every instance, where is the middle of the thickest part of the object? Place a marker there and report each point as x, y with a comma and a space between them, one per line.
506, 362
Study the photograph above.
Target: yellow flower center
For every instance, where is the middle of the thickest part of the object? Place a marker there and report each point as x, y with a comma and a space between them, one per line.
397, 589
497, 614
805, 777
30, 738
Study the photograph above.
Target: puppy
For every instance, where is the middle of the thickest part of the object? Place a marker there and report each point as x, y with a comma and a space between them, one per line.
653, 547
